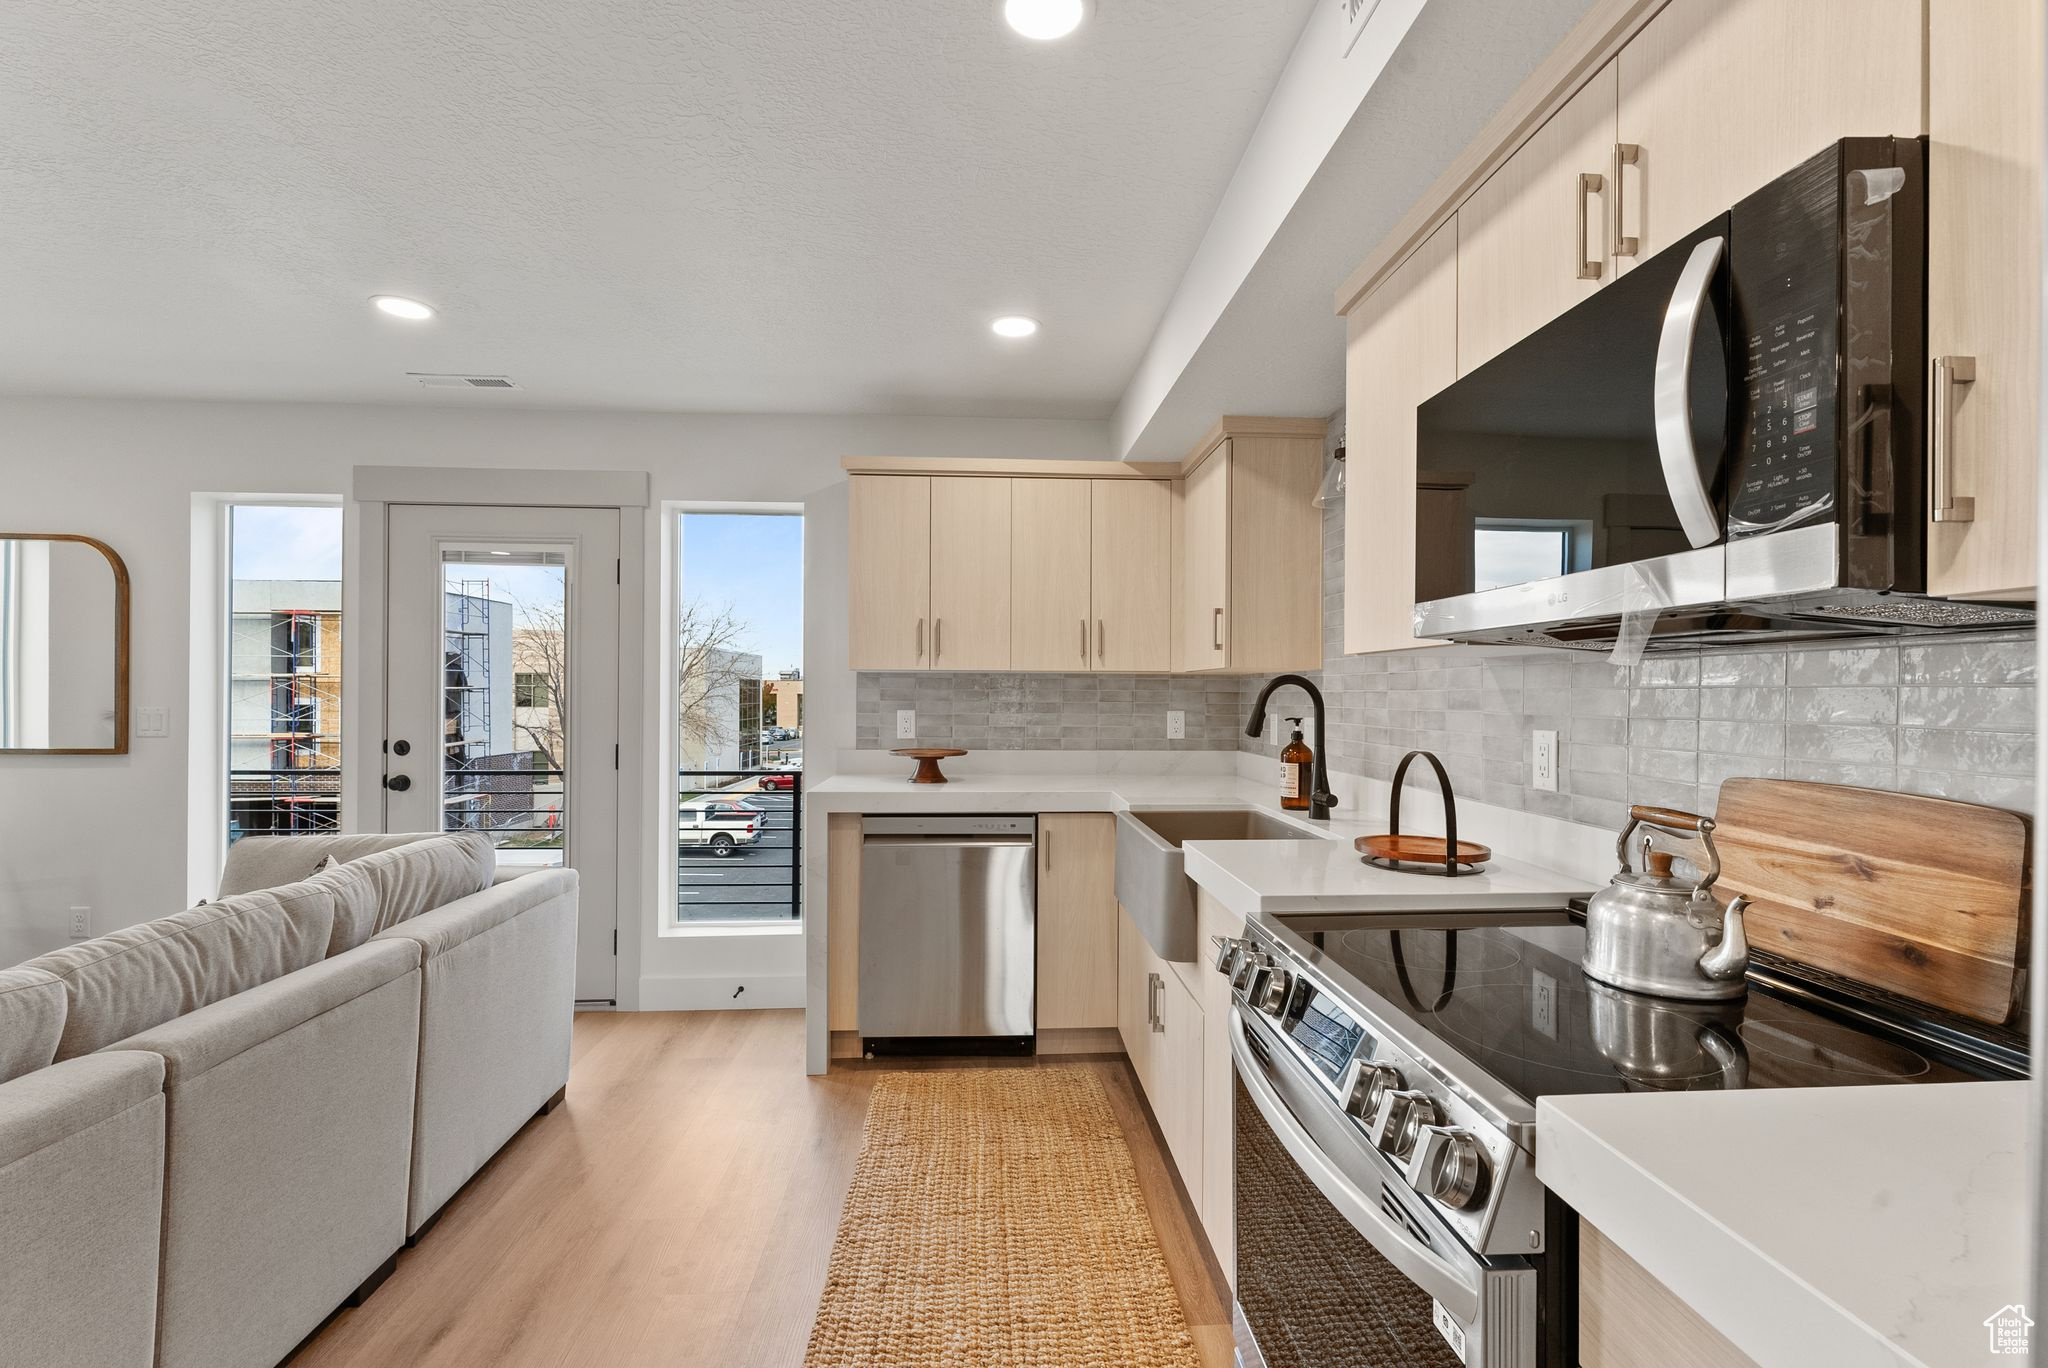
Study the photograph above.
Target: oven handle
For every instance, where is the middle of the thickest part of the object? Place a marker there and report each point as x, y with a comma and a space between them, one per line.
1672, 397
1457, 1290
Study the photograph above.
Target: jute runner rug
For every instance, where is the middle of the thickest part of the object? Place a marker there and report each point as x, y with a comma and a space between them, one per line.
995, 1221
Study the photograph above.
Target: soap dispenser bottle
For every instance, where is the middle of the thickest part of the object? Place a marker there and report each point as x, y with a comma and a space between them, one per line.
1297, 763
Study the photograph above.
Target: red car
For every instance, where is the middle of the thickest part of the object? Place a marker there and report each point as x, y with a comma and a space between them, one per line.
785, 781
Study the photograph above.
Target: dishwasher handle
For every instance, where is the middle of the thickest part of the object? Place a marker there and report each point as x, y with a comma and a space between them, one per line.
949, 842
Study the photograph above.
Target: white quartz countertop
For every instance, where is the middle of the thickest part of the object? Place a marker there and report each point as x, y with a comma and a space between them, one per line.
1249, 877
1838, 1226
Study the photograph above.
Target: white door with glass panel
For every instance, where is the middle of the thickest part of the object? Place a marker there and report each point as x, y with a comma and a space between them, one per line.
502, 695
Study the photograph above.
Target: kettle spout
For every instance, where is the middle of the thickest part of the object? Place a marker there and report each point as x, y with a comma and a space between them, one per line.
1729, 959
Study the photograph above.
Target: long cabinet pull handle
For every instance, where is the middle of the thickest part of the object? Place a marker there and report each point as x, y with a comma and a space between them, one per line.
1045, 844
920, 638
1590, 183
1216, 630
1084, 640
1625, 154
1947, 505
1101, 639
938, 637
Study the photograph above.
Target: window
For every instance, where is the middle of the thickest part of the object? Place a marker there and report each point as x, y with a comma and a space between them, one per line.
529, 689
1505, 553
739, 721
284, 669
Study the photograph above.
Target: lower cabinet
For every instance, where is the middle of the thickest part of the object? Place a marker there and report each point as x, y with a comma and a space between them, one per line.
1627, 1317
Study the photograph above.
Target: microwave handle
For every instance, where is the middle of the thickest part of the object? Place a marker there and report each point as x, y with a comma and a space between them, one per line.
1458, 1291
1671, 395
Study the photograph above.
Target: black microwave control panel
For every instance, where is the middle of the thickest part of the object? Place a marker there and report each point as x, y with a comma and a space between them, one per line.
1785, 258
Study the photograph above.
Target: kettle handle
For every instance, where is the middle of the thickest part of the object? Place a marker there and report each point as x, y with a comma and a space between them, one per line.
1677, 823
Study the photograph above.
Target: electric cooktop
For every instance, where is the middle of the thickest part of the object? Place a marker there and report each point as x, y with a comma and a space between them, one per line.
1515, 1002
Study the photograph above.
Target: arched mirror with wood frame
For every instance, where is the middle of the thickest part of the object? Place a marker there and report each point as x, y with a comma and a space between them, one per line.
63, 646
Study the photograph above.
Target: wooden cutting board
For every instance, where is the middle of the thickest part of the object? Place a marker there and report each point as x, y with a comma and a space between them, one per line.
1919, 896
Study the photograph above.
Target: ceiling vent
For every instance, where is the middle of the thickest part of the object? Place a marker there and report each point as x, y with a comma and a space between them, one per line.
482, 382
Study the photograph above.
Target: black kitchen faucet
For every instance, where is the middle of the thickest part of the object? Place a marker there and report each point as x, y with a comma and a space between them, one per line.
1320, 799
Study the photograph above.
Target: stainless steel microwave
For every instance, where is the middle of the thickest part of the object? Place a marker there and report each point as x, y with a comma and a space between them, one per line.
1726, 443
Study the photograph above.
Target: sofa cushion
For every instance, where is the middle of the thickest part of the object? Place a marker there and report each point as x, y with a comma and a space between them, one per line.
133, 979
272, 861
31, 1020
355, 903
423, 876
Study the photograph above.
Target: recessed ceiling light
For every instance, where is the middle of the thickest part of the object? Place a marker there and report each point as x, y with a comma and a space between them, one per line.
398, 306
1014, 325
1045, 19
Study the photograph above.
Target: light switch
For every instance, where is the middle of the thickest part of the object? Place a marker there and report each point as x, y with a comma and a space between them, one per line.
906, 724
153, 722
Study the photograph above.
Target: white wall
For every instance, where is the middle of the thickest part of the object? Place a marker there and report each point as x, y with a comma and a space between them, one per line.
109, 833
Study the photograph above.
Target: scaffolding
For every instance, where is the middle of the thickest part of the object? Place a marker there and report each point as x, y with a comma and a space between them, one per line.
467, 703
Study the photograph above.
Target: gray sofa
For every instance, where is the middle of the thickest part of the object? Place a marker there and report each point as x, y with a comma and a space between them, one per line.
257, 1102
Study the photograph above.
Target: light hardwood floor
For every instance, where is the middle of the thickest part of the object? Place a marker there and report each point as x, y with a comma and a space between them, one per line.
679, 1209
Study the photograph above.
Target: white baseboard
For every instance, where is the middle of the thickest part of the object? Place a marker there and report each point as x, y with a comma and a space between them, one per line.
678, 993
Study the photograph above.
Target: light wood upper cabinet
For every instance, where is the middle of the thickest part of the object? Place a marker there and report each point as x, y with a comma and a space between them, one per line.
1077, 920
889, 521
970, 574
1051, 622
1403, 349
1132, 590
1205, 563
1722, 96
1984, 100
1533, 240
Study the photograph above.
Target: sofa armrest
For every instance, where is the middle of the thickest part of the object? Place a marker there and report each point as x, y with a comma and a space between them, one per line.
198, 1041
466, 918
39, 1109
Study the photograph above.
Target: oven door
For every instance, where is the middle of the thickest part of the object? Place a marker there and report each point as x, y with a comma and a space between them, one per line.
1339, 1264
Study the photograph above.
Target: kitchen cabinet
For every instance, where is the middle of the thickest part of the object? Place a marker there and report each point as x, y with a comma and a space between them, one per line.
1628, 1318
1984, 169
1077, 921
1534, 239
889, 558
1051, 605
1215, 1193
1720, 96
1162, 1028
970, 574
1403, 348
1249, 548
1130, 553
1135, 996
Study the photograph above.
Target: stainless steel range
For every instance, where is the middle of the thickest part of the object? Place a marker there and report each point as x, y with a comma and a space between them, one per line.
1388, 1210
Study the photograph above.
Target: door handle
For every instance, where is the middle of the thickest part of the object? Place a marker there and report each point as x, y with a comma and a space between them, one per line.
1590, 183
920, 638
1945, 505
1045, 844
1158, 1022
1625, 154
1216, 630
1084, 639
1101, 640
397, 783
1671, 395
938, 626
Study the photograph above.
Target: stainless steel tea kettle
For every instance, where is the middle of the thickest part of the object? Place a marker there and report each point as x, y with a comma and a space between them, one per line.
1651, 932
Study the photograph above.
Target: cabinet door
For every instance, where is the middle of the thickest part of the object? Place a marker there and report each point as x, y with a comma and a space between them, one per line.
970, 594
1205, 564
1175, 1090
1077, 920
1403, 348
1724, 95
1135, 996
1214, 1198
889, 529
1984, 283
1050, 627
1532, 241
1132, 556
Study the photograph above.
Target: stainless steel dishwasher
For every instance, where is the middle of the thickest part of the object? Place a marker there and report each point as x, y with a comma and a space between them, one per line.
948, 934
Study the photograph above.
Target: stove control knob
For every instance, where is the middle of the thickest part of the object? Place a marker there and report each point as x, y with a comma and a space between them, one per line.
1271, 992
1228, 950
1449, 1165
1369, 1086
1244, 972
1399, 1121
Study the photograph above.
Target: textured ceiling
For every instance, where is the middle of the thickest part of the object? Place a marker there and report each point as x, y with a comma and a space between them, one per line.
723, 205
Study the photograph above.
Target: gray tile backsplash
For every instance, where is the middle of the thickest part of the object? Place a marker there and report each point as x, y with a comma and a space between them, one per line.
1048, 711
1952, 717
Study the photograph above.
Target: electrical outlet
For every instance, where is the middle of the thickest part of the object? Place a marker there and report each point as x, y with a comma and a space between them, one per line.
906, 724
1176, 725
153, 723
81, 922
1543, 1002
1543, 760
